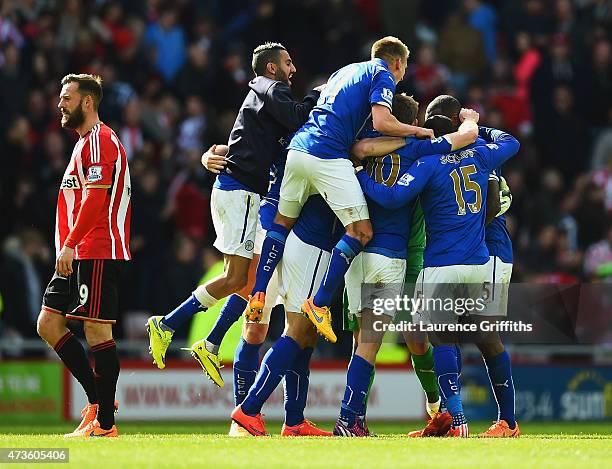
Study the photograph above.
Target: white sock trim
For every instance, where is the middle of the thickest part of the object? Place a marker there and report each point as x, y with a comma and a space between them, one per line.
205, 298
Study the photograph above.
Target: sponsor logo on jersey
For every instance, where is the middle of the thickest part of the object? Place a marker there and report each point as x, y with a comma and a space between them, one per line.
94, 174
405, 180
70, 182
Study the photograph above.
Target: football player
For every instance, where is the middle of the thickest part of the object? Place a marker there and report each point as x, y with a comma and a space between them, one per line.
381, 266
452, 188
318, 163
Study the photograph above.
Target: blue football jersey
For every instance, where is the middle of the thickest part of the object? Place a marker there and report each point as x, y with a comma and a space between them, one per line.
343, 108
452, 189
497, 237
318, 225
225, 182
392, 226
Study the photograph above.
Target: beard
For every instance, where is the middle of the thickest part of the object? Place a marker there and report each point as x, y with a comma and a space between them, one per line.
75, 118
282, 76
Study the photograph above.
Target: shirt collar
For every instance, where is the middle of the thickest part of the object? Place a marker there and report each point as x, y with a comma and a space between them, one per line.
381, 62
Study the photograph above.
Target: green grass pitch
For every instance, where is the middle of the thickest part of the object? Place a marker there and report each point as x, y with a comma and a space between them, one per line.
156, 445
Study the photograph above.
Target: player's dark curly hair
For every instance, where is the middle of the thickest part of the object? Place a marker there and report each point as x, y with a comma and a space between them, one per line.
441, 125
445, 105
264, 54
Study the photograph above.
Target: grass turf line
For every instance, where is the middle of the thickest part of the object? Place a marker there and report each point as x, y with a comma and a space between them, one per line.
144, 445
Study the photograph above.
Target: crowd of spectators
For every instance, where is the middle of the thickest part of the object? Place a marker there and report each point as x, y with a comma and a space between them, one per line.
175, 74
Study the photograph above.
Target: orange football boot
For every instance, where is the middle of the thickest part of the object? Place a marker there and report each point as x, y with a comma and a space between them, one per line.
254, 425
306, 428
88, 415
320, 316
254, 310
501, 429
93, 430
458, 432
437, 426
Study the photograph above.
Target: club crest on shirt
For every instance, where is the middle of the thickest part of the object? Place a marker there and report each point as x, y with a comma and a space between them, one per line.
94, 174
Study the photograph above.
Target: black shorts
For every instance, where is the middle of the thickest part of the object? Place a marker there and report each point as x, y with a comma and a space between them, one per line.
91, 293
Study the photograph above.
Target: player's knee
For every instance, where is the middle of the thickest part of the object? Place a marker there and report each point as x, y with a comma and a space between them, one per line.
96, 333
284, 221
236, 281
361, 231
255, 333
300, 329
418, 348
42, 326
48, 328
368, 351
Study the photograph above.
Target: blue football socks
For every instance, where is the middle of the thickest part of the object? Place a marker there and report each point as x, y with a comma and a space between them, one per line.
341, 256
230, 313
296, 387
447, 370
500, 374
356, 392
182, 313
246, 364
271, 253
275, 364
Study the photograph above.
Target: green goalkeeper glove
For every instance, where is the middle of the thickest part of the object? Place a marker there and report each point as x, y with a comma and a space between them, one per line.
505, 196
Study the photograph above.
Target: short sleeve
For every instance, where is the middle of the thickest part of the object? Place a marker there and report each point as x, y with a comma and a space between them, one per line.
382, 88
99, 166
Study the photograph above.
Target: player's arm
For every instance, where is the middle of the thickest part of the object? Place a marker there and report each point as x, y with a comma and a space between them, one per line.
89, 213
501, 147
465, 135
382, 89
493, 201
378, 146
407, 188
386, 123
381, 146
287, 111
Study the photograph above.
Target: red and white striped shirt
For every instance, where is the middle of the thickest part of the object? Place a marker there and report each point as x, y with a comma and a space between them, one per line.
98, 161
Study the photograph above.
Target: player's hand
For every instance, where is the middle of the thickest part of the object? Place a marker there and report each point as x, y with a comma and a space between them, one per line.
468, 114
213, 161
63, 263
505, 196
422, 132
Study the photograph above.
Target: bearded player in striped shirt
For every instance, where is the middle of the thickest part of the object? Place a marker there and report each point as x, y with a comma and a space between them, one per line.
92, 237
